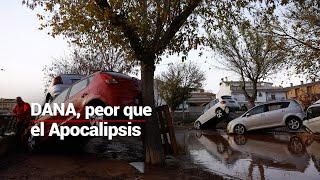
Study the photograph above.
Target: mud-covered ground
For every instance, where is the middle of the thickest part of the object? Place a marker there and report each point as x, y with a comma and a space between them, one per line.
121, 158
206, 154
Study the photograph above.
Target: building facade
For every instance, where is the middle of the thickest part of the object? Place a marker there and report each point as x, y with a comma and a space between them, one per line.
193, 106
265, 91
306, 94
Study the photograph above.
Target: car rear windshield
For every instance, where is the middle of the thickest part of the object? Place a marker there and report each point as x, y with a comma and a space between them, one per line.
313, 112
226, 97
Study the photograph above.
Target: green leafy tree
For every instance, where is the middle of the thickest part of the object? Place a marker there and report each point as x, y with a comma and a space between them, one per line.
147, 29
176, 84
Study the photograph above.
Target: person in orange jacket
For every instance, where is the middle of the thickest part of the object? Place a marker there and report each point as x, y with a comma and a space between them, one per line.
22, 112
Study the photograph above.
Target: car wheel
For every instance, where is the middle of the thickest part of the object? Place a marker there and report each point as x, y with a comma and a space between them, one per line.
94, 120
239, 129
296, 146
221, 148
240, 139
197, 125
293, 124
219, 113
227, 110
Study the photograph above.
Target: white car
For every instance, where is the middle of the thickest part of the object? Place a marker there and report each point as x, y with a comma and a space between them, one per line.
313, 115
216, 108
60, 83
274, 114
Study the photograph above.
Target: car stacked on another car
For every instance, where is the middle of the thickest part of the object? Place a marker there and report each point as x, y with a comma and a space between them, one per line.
99, 89
269, 115
217, 108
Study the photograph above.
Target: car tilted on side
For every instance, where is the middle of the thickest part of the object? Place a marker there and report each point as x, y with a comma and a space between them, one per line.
218, 109
273, 114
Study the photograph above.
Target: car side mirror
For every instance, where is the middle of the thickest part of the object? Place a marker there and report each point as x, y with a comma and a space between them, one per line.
248, 115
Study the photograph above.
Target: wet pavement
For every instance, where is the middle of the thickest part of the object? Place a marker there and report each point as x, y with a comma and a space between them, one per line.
254, 156
206, 154
99, 159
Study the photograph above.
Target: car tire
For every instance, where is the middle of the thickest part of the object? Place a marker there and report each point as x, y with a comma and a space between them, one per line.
240, 139
296, 146
239, 129
219, 113
293, 124
94, 120
197, 125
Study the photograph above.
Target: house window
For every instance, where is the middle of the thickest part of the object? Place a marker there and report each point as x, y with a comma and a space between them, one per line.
273, 97
260, 94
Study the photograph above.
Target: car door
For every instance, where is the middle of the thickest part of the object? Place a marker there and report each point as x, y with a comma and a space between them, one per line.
77, 96
275, 113
255, 117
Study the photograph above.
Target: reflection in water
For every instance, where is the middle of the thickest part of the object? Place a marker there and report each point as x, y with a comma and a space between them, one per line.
266, 156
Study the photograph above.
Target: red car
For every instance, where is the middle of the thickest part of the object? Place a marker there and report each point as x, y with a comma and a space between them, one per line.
98, 89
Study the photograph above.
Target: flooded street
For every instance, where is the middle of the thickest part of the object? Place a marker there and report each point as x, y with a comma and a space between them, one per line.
204, 155
254, 156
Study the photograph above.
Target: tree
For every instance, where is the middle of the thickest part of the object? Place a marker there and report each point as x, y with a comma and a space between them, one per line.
300, 28
176, 84
146, 29
249, 53
87, 61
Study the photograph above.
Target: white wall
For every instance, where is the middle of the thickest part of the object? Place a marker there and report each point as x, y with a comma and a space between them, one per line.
224, 90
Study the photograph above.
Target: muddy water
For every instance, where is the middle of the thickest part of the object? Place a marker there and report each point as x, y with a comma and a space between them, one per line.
268, 156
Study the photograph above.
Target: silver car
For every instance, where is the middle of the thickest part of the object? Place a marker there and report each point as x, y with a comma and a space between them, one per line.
230, 102
216, 109
60, 83
274, 114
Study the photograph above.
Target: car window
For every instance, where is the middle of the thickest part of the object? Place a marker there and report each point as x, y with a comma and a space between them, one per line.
313, 112
90, 79
78, 87
206, 107
226, 97
257, 110
73, 80
214, 102
61, 97
274, 106
285, 104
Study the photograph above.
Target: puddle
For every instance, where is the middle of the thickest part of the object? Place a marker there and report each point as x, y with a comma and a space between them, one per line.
269, 156
127, 149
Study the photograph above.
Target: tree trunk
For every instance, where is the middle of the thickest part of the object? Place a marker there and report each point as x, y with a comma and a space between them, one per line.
154, 153
251, 102
254, 93
183, 112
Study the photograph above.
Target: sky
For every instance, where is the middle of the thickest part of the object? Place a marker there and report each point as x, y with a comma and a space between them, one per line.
25, 50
